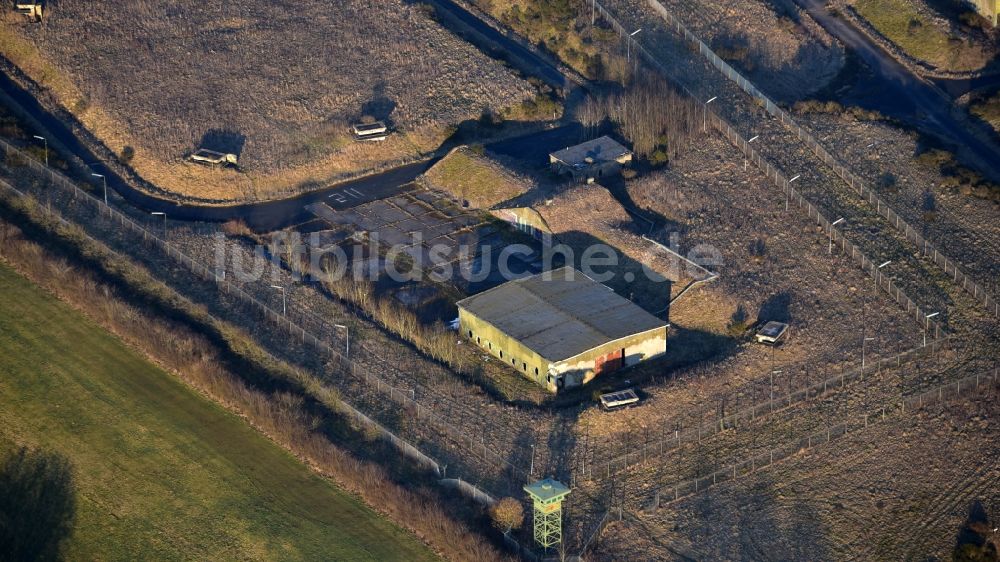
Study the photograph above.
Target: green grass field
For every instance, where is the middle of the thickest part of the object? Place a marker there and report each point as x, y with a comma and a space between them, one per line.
161, 472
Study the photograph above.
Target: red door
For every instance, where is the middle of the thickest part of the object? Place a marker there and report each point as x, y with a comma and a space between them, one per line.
609, 362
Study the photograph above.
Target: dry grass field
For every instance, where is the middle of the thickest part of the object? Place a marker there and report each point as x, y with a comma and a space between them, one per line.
851, 500
276, 83
772, 42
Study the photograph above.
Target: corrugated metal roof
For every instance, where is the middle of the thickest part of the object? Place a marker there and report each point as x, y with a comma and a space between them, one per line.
560, 314
603, 149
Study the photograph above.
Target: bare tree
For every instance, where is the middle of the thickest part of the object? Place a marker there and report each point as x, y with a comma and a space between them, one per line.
653, 115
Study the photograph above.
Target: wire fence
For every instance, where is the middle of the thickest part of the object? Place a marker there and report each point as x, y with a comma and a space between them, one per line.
792, 196
595, 468
856, 183
972, 384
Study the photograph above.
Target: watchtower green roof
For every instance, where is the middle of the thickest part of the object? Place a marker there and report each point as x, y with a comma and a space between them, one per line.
560, 314
546, 490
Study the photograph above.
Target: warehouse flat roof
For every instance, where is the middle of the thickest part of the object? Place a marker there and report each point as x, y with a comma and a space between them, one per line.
560, 314
603, 149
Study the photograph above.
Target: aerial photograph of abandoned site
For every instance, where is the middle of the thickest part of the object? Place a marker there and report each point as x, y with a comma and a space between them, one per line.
500, 280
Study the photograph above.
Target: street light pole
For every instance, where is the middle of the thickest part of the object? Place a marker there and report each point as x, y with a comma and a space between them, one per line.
704, 125
164, 215
833, 224
105, 181
927, 321
531, 470
284, 308
46, 141
347, 347
788, 190
745, 157
878, 272
628, 45
863, 342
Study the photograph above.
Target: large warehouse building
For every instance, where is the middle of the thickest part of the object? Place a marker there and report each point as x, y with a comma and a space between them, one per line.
561, 329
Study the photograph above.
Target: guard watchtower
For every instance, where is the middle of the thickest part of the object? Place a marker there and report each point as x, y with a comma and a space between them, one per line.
547, 496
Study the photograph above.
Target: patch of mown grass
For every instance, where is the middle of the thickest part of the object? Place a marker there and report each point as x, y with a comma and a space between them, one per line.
161, 472
920, 37
472, 177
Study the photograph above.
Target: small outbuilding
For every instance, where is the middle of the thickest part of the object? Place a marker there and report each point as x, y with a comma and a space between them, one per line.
561, 328
591, 160
772, 333
213, 158
377, 131
32, 10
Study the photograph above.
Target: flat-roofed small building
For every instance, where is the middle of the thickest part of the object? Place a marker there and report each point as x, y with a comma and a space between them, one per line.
31, 9
213, 158
561, 328
377, 131
592, 159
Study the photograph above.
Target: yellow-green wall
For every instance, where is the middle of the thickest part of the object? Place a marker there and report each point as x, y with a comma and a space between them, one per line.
575, 370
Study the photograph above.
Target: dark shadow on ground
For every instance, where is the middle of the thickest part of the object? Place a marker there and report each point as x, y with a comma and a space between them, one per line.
380, 106
971, 544
776, 308
224, 141
761, 528
37, 504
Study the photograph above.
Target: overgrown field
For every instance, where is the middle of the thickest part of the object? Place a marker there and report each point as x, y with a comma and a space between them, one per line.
157, 470
988, 109
925, 35
276, 83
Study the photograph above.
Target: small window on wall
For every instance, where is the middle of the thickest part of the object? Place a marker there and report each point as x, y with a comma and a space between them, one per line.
479, 340
524, 366
536, 371
490, 344
470, 333
501, 354
513, 361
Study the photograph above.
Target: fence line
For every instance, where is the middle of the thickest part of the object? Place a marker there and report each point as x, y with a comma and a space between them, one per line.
866, 193
775, 175
968, 385
597, 468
